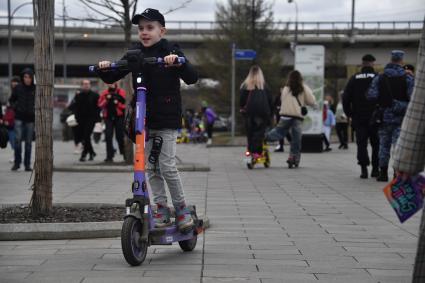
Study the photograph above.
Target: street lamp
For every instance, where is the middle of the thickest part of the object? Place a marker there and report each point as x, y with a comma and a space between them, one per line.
9, 34
296, 22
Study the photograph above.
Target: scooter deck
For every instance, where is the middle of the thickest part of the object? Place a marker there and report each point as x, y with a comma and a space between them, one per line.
170, 234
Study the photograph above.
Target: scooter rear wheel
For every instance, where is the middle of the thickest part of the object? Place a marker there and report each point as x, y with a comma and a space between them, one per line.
133, 248
188, 245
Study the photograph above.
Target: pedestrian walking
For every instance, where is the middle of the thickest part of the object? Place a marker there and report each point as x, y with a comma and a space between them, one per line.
359, 109
295, 95
256, 105
22, 101
391, 91
112, 104
87, 113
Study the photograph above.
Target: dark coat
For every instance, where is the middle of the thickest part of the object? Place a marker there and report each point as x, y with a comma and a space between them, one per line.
84, 106
163, 101
22, 101
354, 99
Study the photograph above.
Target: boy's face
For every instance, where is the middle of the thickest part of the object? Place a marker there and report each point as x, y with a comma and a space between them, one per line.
150, 32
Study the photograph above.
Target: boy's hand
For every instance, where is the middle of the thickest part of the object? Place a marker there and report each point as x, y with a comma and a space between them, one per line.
170, 59
104, 64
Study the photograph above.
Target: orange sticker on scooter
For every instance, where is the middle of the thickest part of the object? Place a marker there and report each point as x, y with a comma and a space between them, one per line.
139, 157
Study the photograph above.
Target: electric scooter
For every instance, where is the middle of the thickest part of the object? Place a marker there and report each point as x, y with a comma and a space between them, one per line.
138, 230
264, 159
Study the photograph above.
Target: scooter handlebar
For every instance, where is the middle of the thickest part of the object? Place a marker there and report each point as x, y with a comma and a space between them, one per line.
148, 60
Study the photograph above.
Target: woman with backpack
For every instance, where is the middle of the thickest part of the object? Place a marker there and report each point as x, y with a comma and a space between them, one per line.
256, 104
295, 95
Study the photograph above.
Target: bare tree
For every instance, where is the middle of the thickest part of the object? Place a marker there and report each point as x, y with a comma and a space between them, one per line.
120, 12
41, 201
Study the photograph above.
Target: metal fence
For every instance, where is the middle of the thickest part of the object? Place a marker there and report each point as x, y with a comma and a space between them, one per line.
306, 27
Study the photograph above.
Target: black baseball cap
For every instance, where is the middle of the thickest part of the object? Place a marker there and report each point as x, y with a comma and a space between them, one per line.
368, 58
150, 15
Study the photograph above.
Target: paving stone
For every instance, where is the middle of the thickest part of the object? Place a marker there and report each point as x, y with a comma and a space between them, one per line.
319, 223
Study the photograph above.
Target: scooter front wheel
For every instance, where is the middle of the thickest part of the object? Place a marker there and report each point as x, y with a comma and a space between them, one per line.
133, 248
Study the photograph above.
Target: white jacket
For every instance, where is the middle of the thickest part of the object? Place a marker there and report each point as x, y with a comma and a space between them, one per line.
290, 106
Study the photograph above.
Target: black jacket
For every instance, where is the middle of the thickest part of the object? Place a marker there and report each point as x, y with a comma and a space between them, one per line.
163, 101
84, 106
256, 103
22, 101
354, 99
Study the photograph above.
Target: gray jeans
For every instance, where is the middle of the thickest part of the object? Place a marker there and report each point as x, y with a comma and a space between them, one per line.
164, 170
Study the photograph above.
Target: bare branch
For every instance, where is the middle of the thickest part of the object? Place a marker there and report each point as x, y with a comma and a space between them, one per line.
182, 5
134, 5
99, 12
105, 4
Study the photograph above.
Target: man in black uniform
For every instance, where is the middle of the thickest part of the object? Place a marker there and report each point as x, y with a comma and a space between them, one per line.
360, 110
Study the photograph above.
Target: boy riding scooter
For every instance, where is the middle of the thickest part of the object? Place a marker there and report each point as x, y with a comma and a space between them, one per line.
163, 112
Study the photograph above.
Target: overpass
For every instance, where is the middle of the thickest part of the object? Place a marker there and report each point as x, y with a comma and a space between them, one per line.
87, 43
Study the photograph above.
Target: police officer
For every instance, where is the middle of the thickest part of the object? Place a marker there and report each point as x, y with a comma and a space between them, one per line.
360, 110
392, 91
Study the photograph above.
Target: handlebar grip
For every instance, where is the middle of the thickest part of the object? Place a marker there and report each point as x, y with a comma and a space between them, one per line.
179, 60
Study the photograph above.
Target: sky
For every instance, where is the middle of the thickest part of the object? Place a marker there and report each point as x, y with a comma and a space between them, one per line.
309, 10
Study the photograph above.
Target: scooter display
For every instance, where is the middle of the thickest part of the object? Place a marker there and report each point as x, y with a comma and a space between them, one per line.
138, 230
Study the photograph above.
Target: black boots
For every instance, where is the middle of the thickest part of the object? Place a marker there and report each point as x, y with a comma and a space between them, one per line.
375, 172
364, 174
383, 174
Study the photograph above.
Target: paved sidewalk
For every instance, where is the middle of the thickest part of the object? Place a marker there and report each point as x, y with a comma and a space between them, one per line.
316, 223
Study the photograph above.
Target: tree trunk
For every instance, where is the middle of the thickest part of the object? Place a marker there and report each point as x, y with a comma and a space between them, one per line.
419, 269
41, 201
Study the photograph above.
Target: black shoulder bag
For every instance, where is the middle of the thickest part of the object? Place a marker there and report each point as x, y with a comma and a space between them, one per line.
304, 110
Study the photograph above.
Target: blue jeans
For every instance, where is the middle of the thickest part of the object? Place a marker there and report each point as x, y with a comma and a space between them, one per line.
24, 131
282, 129
11, 133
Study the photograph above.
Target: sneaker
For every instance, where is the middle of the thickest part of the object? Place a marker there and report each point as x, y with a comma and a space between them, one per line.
162, 216
28, 169
15, 167
184, 219
209, 141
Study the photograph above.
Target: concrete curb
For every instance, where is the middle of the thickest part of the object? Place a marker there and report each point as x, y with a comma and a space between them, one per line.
61, 231
187, 167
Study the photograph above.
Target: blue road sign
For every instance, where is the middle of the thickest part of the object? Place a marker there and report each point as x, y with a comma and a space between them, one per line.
245, 54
